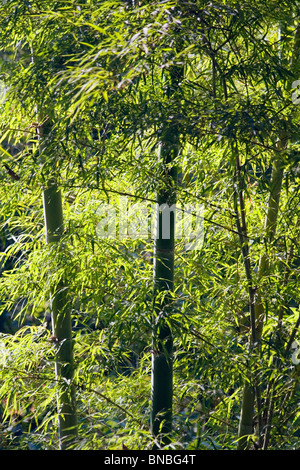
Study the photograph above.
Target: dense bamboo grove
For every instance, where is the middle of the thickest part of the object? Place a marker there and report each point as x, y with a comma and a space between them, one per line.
117, 330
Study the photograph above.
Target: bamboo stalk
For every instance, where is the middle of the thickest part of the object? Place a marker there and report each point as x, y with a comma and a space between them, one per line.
247, 409
61, 325
60, 311
163, 280
270, 230
162, 343
248, 399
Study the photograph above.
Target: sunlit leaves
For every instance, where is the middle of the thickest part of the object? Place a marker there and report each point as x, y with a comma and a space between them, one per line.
100, 70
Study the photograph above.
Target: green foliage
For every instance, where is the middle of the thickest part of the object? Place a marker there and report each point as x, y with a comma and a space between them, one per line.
100, 73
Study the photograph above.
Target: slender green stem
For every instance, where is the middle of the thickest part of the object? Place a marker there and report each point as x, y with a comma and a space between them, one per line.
270, 230
61, 325
246, 419
248, 400
163, 277
60, 310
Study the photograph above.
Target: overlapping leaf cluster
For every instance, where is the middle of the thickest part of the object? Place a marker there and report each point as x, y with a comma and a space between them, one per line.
99, 73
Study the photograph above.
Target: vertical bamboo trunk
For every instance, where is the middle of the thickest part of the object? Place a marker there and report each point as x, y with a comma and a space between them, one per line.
270, 230
249, 393
250, 390
248, 400
163, 280
60, 310
61, 326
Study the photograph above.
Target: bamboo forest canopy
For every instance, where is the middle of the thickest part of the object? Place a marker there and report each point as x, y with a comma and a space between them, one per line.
111, 333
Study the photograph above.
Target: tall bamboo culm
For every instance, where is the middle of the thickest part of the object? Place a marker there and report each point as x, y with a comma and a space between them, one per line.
61, 326
163, 276
60, 305
251, 389
163, 279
